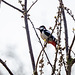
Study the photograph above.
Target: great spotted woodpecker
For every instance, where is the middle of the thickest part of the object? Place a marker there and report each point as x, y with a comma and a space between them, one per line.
45, 34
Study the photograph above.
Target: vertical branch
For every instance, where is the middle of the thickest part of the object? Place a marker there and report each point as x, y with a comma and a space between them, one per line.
28, 37
65, 26
54, 66
68, 53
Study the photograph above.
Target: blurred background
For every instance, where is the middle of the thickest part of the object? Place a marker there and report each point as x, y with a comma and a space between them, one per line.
13, 40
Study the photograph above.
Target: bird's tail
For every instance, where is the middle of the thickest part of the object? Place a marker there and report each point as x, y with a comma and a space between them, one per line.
52, 42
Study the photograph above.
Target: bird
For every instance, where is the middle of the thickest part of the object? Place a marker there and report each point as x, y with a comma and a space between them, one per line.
46, 35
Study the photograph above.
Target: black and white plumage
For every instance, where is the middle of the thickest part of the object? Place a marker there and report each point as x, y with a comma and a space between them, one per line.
45, 34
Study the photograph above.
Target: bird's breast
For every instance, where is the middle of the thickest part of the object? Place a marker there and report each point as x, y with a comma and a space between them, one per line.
43, 36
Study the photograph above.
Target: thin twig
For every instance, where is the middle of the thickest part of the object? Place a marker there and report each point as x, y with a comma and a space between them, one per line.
31, 6
35, 31
43, 49
73, 61
48, 59
40, 43
39, 57
54, 67
64, 65
69, 12
72, 42
13, 6
73, 52
4, 64
71, 45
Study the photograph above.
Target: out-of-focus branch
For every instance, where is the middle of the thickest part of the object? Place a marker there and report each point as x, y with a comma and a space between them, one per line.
12, 6
0, 2
4, 64
28, 37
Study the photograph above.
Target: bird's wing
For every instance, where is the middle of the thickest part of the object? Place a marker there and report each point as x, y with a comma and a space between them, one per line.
47, 33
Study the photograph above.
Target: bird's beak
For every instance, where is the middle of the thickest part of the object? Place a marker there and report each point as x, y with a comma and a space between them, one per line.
38, 28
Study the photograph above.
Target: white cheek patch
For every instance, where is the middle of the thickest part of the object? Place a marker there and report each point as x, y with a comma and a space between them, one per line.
41, 28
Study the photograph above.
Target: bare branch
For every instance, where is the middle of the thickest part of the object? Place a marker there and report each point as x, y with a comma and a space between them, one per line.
72, 42
32, 5
71, 45
69, 12
40, 55
13, 6
43, 49
54, 67
4, 64
64, 65
73, 52
28, 38
41, 45
35, 31
73, 61
46, 57
65, 26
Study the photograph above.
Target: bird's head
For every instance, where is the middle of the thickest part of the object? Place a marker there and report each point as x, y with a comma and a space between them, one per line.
41, 28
